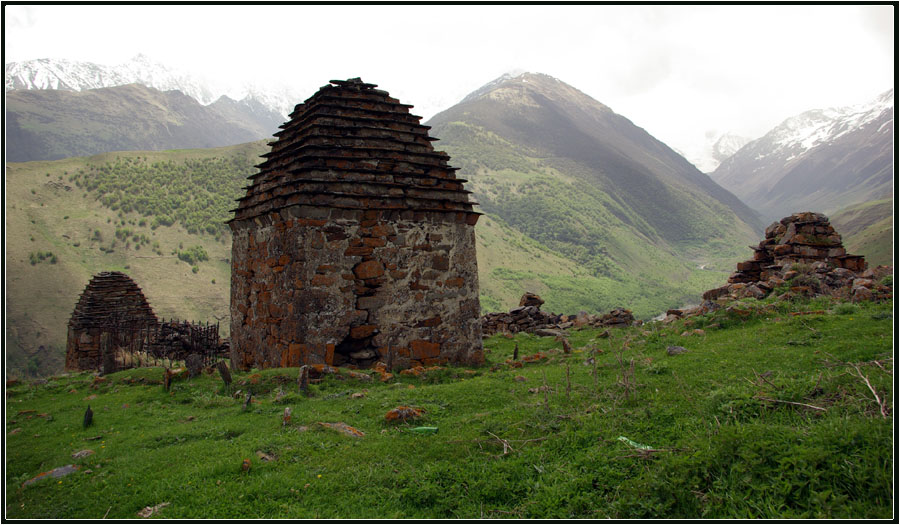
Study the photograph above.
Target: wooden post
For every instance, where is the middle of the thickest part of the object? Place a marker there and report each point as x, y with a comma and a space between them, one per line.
516, 352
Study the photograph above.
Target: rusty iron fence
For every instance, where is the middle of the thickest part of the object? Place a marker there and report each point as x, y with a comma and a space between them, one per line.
131, 343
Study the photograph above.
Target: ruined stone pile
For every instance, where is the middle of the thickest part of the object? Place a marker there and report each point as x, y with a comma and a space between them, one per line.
111, 303
800, 238
355, 242
802, 254
529, 318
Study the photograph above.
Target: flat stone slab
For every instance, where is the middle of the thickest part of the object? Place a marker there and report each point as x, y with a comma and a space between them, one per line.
58, 472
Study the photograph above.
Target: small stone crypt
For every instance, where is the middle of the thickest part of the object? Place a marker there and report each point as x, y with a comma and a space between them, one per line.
355, 243
113, 305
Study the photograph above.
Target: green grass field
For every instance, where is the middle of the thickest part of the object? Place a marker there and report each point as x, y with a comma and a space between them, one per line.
767, 415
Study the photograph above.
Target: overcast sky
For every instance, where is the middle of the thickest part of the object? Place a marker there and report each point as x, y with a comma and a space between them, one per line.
680, 72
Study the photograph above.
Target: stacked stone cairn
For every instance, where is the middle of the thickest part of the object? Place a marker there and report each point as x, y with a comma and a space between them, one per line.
111, 304
804, 254
354, 245
529, 318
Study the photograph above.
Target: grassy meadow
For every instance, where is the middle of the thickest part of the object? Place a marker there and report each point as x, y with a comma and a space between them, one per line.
775, 410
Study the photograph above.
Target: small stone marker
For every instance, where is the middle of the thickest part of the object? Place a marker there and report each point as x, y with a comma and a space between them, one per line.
194, 364
303, 380
82, 454
224, 373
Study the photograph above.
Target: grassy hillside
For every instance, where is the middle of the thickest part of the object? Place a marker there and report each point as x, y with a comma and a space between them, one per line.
767, 415
868, 229
617, 257
50, 210
138, 211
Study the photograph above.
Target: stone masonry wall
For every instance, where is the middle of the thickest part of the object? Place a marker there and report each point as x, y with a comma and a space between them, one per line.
352, 287
354, 243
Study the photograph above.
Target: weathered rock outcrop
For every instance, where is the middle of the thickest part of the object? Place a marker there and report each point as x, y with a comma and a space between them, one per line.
355, 243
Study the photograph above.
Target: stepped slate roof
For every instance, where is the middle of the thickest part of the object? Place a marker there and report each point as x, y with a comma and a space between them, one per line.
353, 146
111, 297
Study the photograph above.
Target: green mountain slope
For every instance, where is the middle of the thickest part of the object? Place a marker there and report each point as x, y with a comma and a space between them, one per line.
868, 229
50, 210
565, 171
54, 124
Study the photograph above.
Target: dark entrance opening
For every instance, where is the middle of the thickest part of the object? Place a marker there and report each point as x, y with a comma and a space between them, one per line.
356, 352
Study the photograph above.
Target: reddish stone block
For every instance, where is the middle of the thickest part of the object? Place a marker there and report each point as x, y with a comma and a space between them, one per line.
311, 222
429, 323
361, 332
275, 310
369, 270
375, 242
329, 354
456, 282
358, 251
322, 280
440, 262
422, 349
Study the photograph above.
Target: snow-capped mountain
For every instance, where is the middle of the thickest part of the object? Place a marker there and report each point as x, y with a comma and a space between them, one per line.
78, 76
820, 160
727, 145
707, 155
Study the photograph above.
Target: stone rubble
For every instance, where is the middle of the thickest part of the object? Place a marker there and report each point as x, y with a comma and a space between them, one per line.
803, 255
528, 317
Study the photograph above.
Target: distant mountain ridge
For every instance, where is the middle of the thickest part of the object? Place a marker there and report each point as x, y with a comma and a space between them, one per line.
820, 160
569, 173
52, 124
72, 75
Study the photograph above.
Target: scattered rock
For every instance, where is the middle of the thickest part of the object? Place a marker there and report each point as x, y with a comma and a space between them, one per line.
520, 378
360, 376
265, 457
531, 299
357, 395
146, 512
58, 472
82, 453
675, 350
343, 428
404, 413
15, 431
245, 465
286, 416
